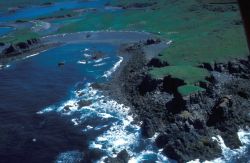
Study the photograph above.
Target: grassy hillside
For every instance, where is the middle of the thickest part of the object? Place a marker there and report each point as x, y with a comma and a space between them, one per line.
19, 35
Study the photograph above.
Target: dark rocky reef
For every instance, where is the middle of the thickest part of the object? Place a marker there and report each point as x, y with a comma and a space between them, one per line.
97, 55
122, 157
83, 103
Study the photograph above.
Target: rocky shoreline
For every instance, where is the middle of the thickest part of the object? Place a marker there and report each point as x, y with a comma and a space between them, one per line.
13, 52
186, 124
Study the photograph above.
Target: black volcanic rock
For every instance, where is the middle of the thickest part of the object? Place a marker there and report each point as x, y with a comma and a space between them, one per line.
97, 55
234, 67
156, 62
152, 41
231, 139
22, 45
182, 144
95, 154
162, 140
208, 66
170, 84
122, 157
221, 111
83, 103
148, 85
147, 128
9, 50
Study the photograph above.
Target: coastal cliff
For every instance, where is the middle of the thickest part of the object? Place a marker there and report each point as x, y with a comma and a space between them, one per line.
186, 124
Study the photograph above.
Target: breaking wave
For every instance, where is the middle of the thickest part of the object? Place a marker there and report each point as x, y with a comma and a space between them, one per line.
113, 69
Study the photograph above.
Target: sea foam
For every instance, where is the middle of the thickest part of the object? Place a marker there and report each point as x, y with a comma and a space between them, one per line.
113, 69
70, 157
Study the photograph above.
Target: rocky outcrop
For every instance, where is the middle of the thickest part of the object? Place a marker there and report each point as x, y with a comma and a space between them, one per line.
237, 67
19, 48
156, 62
83, 103
152, 41
122, 157
97, 55
170, 84
148, 84
95, 154
181, 144
221, 111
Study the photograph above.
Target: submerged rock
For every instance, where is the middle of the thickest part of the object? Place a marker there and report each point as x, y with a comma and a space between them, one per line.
122, 157
67, 108
60, 64
94, 154
83, 103
97, 55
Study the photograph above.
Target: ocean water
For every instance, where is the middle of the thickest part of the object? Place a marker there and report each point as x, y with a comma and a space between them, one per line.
35, 127
36, 11
5, 30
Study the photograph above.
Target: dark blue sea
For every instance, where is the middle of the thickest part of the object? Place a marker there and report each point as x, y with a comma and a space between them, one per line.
36, 127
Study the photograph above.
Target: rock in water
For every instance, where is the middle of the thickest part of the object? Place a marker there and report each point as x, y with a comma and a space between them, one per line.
122, 157
83, 103
61, 64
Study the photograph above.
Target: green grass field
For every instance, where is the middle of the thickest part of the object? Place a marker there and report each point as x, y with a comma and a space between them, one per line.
189, 89
19, 35
187, 73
